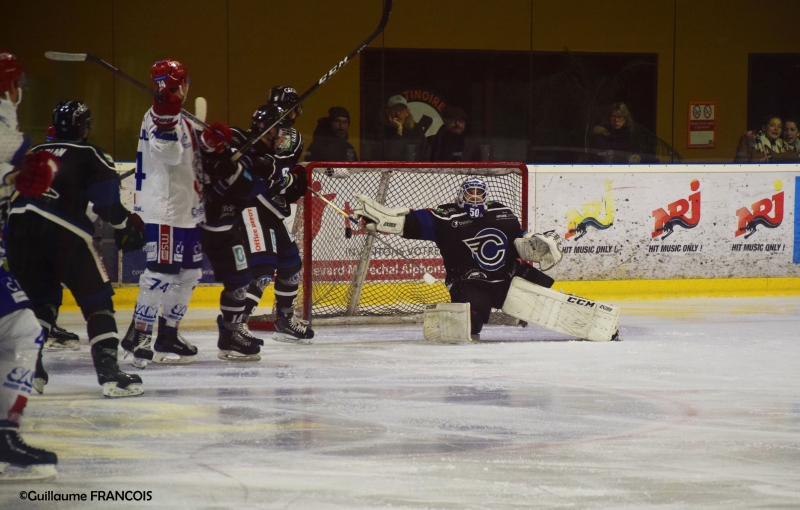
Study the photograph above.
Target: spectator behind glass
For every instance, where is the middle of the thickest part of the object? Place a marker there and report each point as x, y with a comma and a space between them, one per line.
449, 143
330, 138
401, 133
790, 134
764, 145
614, 141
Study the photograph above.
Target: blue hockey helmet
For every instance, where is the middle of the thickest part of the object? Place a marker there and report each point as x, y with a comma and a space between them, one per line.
471, 197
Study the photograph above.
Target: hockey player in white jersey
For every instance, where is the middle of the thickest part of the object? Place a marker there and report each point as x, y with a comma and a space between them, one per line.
169, 200
20, 332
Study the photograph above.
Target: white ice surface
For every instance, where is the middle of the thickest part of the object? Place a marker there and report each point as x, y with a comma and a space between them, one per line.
697, 407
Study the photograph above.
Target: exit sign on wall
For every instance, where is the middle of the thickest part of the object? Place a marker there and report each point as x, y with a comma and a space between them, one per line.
702, 126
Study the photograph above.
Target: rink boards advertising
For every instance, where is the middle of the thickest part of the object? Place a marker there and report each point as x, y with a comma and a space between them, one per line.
616, 222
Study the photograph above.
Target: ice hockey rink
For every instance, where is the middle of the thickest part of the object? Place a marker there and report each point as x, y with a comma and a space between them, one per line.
697, 407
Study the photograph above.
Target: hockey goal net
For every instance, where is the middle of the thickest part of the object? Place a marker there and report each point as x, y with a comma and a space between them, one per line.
357, 276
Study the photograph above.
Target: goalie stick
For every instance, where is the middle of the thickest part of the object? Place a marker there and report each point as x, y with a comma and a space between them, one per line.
387, 10
429, 278
87, 57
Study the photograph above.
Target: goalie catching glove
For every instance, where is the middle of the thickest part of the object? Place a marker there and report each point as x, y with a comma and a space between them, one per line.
380, 218
544, 249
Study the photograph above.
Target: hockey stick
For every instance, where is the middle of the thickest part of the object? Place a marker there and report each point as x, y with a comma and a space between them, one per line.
387, 10
429, 278
200, 110
86, 57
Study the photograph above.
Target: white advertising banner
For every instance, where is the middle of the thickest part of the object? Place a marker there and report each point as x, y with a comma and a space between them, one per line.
685, 221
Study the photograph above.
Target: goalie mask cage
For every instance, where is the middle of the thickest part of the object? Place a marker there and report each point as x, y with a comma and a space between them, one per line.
358, 277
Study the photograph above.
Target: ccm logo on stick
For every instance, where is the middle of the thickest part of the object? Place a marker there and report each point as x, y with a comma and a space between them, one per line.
580, 301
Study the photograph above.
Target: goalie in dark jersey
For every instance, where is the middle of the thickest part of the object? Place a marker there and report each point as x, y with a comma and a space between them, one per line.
485, 252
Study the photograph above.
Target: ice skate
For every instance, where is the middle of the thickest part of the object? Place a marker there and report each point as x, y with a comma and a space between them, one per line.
20, 462
60, 339
115, 382
289, 328
234, 345
139, 344
170, 348
40, 377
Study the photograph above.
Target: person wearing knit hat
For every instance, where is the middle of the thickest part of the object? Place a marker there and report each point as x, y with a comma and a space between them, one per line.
330, 138
449, 143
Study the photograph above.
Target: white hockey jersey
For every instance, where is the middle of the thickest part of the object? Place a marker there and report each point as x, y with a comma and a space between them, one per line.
13, 144
168, 191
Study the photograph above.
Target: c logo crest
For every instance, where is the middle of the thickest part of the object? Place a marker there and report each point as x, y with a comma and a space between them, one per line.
488, 248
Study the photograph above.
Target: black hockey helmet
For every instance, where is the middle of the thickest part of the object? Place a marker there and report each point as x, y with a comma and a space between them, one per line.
266, 115
284, 97
70, 118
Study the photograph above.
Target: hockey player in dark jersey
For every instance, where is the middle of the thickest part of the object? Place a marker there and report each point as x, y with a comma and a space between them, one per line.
50, 241
272, 252
229, 186
476, 239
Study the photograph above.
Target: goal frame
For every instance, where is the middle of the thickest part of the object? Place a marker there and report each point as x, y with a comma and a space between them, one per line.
307, 218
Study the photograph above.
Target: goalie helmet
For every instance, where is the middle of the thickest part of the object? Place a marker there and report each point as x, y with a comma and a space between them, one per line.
70, 118
471, 197
169, 74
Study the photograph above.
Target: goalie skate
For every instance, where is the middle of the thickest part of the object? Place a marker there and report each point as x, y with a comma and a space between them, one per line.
290, 329
114, 381
20, 462
235, 345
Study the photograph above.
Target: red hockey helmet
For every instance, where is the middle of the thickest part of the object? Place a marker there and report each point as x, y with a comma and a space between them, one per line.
10, 72
169, 74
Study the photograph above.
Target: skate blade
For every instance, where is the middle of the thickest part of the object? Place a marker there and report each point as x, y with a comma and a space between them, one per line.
42, 472
166, 358
289, 339
139, 363
67, 345
38, 385
110, 390
237, 356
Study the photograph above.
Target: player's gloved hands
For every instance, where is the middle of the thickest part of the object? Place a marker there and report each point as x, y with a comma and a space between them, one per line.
131, 237
215, 138
36, 173
166, 110
378, 217
544, 249
219, 166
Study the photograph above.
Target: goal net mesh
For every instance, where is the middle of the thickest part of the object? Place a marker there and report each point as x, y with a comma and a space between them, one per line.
362, 276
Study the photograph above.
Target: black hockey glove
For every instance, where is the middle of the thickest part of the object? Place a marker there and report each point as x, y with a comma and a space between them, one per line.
219, 166
132, 236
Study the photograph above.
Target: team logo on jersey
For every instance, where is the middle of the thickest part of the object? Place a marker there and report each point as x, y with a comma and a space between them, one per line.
488, 248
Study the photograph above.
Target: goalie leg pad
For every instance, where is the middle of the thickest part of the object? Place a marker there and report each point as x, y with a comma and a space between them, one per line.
556, 311
447, 323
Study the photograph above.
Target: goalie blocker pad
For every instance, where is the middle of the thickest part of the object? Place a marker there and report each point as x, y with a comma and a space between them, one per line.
565, 313
447, 323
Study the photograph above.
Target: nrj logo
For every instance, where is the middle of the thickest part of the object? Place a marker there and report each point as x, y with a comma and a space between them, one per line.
759, 213
597, 214
683, 213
